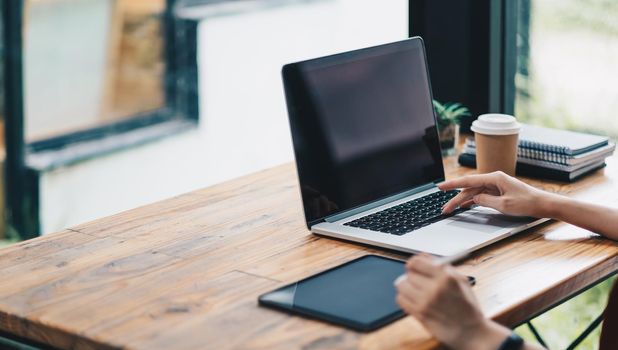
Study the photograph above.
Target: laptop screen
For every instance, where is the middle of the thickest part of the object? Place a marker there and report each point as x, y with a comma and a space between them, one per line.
363, 126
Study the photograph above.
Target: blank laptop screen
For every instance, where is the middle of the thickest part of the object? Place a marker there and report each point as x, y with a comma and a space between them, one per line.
363, 126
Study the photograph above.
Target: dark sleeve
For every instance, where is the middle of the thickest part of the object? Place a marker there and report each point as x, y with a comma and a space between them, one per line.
609, 333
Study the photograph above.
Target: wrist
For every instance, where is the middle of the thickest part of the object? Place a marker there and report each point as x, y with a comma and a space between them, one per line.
488, 336
549, 205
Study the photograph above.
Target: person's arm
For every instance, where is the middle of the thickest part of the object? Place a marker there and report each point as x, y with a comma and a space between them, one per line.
511, 196
596, 218
441, 299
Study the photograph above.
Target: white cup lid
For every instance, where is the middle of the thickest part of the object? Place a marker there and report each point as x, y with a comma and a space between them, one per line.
496, 124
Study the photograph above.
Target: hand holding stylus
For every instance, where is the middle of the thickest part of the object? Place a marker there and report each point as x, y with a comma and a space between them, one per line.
444, 260
438, 296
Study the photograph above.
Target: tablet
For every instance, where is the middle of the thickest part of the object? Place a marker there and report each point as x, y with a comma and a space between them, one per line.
358, 294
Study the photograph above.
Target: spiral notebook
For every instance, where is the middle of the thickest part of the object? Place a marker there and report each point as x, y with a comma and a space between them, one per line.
530, 170
601, 152
559, 141
560, 161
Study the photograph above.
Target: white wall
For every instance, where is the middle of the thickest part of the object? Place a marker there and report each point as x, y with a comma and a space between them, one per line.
243, 125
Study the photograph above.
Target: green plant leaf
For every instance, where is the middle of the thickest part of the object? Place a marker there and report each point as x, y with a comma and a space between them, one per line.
450, 112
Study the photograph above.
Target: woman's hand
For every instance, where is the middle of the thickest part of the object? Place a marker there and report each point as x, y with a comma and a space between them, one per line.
442, 300
498, 191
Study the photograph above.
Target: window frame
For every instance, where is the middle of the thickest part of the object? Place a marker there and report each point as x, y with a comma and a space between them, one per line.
26, 161
481, 37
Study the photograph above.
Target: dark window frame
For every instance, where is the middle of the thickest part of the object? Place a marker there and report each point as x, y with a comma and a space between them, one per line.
471, 49
26, 161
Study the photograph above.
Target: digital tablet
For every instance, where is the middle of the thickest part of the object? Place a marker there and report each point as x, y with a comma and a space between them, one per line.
358, 294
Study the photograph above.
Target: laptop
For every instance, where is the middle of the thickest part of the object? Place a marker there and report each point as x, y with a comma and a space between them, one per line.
368, 156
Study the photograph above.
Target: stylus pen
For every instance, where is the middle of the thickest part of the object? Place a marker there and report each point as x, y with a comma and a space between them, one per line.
443, 260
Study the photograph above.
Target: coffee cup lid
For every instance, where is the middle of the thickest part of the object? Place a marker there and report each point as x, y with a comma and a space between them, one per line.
496, 124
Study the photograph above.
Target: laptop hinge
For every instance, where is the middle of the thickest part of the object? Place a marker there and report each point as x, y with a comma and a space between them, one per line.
375, 204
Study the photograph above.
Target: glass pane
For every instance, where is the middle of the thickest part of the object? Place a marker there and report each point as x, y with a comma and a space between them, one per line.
568, 64
90, 62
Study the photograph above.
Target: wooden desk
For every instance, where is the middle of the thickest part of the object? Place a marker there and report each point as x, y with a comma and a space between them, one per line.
185, 273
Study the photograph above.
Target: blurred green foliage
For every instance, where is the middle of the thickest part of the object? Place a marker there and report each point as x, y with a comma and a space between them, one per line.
595, 16
568, 75
562, 324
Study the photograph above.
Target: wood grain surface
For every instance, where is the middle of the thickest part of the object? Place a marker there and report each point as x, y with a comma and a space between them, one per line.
185, 273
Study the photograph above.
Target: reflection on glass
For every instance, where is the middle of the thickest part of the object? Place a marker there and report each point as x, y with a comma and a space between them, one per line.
90, 62
567, 57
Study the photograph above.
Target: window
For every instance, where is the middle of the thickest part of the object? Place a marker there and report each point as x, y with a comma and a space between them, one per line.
98, 68
85, 78
567, 64
91, 62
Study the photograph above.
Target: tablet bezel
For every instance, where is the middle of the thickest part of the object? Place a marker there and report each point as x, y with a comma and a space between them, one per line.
316, 315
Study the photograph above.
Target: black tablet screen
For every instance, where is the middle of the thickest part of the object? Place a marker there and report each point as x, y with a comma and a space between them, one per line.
359, 294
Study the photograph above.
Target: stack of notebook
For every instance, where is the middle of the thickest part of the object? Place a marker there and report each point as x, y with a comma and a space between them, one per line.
553, 154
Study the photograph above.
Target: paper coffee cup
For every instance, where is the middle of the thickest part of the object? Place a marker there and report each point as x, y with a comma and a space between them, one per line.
496, 137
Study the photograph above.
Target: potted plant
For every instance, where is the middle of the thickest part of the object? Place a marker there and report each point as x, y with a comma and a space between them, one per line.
449, 116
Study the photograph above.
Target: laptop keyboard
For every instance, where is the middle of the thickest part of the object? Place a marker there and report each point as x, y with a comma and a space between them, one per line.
408, 216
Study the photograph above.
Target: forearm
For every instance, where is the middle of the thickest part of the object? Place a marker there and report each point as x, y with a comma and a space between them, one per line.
593, 217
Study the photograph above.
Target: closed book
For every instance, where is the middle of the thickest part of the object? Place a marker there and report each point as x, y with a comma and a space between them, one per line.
601, 152
548, 164
559, 141
534, 154
535, 171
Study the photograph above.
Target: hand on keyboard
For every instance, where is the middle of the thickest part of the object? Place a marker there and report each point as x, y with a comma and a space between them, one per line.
496, 190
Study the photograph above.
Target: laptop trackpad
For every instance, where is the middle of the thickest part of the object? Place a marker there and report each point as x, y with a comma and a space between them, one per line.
464, 231
487, 220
